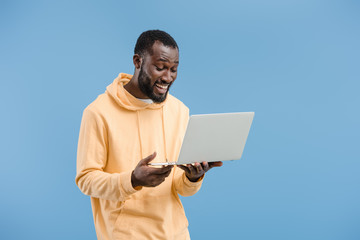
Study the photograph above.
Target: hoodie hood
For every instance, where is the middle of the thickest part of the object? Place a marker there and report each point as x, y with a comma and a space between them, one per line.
122, 97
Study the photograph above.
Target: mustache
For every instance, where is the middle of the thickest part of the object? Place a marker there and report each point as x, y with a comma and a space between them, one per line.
163, 82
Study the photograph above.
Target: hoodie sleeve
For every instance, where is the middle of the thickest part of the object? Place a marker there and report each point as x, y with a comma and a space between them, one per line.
183, 185
91, 160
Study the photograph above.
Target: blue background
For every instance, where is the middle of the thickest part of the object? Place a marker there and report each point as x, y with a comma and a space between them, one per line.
294, 63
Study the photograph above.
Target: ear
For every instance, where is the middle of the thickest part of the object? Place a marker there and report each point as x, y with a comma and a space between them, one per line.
137, 60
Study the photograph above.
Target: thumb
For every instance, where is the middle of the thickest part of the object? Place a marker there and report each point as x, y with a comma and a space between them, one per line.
148, 159
215, 164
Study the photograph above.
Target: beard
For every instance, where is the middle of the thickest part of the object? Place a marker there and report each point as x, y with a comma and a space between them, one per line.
145, 86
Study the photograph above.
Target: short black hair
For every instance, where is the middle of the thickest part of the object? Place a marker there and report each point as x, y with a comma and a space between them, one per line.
147, 39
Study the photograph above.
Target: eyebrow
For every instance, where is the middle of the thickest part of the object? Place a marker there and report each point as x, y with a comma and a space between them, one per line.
165, 60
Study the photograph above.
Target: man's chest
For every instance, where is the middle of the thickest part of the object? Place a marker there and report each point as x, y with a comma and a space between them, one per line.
133, 136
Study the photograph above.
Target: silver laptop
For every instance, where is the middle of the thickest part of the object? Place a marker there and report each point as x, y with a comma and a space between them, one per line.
214, 137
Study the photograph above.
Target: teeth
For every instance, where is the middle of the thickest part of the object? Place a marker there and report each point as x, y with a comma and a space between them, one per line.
162, 86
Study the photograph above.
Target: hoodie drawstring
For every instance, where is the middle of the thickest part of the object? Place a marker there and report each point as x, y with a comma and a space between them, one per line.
139, 134
164, 136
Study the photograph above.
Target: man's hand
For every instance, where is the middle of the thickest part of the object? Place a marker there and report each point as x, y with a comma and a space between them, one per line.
196, 171
146, 176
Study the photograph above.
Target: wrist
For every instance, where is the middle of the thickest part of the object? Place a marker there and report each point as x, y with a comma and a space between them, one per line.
134, 182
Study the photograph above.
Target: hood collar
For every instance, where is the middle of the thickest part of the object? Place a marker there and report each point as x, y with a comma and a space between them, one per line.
122, 97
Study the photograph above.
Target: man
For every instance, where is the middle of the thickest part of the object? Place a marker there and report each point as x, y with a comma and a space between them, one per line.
133, 123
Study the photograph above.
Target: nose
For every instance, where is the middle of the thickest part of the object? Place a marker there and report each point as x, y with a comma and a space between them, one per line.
167, 76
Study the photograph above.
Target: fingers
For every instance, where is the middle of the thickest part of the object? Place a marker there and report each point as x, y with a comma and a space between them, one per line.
162, 170
148, 159
157, 179
159, 174
215, 164
192, 169
147, 176
205, 166
198, 168
186, 169
165, 174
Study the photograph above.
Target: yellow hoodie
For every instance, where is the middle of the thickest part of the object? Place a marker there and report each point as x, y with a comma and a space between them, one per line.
117, 131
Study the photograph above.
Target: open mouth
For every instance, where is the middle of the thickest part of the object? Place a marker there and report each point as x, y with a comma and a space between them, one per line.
162, 88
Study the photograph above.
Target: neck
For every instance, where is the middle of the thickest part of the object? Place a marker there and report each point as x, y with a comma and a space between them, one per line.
133, 88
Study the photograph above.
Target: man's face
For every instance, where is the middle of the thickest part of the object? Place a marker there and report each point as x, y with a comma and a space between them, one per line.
158, 71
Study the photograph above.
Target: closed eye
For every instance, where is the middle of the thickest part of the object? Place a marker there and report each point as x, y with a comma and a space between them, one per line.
159, 69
